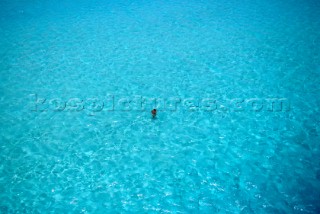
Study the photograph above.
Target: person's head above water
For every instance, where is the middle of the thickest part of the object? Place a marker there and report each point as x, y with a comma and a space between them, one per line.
154, 113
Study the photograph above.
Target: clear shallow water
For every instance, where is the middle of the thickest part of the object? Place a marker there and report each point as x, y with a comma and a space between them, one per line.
188, 162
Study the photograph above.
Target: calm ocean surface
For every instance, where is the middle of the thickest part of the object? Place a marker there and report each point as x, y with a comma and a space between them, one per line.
238, 96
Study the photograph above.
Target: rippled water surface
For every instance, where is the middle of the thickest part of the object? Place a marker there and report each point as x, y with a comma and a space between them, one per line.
71, 155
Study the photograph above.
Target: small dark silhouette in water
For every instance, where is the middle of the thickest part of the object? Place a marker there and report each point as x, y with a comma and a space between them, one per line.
154, 113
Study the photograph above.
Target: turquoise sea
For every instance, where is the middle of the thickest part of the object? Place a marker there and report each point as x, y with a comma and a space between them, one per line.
237, 88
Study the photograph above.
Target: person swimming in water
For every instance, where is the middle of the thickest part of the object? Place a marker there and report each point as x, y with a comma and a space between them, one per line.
154, 113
